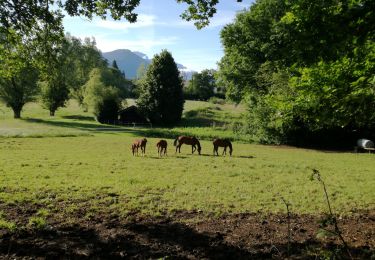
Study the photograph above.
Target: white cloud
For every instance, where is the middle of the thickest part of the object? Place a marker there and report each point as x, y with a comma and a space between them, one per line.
220, 19
144, 45
144, 20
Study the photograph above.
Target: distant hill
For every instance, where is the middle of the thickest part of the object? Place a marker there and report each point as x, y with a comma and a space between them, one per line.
129, 62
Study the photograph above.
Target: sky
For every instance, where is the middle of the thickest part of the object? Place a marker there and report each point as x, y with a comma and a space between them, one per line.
159, 27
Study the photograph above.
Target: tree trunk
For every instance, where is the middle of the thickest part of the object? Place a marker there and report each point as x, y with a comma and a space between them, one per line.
17, 113
52, 112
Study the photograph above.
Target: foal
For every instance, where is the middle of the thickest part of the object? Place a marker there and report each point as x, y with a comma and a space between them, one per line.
162, 147
139, 143
222, 143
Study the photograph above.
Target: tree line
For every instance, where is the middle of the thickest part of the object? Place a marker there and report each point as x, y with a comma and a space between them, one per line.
77, 70
38, 60
26, 75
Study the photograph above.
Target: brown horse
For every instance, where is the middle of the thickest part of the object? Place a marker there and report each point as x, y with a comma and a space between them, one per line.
162, 147
187, 140
139, 143
222, 143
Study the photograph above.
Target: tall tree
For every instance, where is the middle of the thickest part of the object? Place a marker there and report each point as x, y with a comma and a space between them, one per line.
102, 98
84, 56
18, 74
114, 65
57, 75
160, 93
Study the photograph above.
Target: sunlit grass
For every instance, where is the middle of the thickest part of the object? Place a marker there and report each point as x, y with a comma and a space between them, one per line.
94, 169
91, 171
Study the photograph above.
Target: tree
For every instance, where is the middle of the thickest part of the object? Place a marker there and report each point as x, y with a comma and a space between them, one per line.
202, 85
55, 80
105, 100
160, 93
303, 68
20, 88
18, 75
114, 65
84, 56
54, 92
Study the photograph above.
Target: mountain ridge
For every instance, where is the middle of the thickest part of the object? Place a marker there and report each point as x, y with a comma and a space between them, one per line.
129, 61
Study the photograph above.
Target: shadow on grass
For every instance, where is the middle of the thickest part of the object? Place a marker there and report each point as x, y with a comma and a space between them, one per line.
137, 240
79, 117
150, 239
83, 126
227, 156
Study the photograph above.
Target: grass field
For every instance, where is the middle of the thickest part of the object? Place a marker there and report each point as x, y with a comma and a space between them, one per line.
201, 119
72, 171
91, 166
95, 169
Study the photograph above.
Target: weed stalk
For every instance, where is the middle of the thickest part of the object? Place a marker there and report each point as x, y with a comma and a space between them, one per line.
337, 232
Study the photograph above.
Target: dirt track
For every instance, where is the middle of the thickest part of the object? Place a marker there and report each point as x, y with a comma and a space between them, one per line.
241, 236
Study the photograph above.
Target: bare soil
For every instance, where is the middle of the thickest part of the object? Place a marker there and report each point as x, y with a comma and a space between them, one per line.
185, 235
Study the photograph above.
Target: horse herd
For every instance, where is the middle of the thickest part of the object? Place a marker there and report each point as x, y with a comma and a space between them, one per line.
178, 142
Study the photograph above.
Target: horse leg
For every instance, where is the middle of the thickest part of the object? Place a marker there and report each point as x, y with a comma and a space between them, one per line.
193, 148
225, 150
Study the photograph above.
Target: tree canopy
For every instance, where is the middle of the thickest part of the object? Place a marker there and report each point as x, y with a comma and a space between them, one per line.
302, 66
160, 91
202, 85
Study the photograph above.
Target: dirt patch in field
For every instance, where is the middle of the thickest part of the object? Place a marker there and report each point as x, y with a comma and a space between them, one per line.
187, 235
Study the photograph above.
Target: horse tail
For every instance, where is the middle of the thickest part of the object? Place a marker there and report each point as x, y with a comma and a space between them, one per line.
175, 141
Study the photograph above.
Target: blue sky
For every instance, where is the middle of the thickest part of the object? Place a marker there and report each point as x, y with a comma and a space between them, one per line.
160, 27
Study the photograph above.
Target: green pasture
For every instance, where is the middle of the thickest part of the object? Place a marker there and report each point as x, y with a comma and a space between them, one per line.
201, 119
93, 170
76, 164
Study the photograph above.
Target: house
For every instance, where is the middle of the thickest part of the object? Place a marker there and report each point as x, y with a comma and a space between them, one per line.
131, 115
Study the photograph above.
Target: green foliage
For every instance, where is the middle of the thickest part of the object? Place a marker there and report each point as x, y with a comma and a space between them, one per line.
84, 57
58, 77
18, 74
339, 93
103, 98
201, 86
301, 69
200, 11
160, 93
